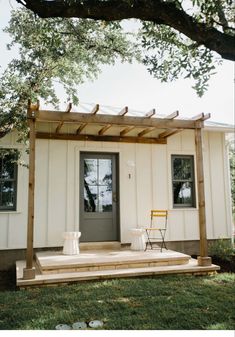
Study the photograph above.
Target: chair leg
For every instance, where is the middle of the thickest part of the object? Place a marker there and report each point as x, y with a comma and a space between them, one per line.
148, 241
163, 244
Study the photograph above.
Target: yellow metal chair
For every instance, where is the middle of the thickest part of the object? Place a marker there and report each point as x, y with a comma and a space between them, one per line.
157, 226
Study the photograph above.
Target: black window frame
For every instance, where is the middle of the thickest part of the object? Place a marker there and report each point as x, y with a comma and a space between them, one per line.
14, 180
191, 180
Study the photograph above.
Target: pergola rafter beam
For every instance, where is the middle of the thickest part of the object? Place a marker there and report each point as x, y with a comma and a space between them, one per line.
130, 128
95, 109
198, 118
126, 130
145, 131
169, 133
201, 117
93, 112
123, 112
69, 107
173, 115
150, 113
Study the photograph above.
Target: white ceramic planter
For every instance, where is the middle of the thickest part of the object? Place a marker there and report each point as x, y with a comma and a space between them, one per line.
137, 239
71, 243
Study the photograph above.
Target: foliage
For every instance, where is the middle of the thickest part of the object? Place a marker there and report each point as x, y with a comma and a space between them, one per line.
179, 37
67, 51
179, 42
158, 303
170, 55
216, 13
222, 248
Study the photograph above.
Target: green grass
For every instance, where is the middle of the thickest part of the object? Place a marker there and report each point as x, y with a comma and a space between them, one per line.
167, 303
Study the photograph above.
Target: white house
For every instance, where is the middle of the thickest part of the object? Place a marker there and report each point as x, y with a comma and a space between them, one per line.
101, 175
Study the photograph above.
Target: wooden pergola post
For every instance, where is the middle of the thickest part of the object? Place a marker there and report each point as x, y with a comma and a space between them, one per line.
203, 259
29, 271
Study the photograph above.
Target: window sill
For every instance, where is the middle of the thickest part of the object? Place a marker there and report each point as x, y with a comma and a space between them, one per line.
10, 212
184, 209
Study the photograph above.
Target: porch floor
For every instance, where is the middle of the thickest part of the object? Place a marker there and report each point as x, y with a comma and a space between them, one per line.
54, 267
107, 259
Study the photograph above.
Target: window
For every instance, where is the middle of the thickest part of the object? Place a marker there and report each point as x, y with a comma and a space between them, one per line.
8, 180
183, 182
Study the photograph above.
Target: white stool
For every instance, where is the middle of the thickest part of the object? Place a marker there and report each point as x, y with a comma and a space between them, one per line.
137, 239
71, 245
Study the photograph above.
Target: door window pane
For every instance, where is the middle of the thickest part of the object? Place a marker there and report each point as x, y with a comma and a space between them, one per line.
105, 199
91, 171
105, 171
90, 198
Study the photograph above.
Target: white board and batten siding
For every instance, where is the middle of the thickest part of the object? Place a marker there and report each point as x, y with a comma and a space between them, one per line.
144, 182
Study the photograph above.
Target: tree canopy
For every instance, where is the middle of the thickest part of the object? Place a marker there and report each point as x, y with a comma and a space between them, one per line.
179, 38
68, 40
206, 22
68, 51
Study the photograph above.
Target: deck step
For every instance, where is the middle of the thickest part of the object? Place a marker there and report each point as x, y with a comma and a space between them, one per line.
49, 279
98, 260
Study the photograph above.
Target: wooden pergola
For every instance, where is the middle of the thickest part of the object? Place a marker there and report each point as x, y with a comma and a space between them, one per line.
67, 125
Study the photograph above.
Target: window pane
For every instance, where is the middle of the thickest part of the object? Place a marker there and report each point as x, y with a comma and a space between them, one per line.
90, 198
90, 171
8, 194
183, 193
105, 199
182, 168
8, 181
7, 168
105, 172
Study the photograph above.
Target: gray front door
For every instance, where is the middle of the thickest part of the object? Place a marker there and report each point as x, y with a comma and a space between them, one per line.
98, 197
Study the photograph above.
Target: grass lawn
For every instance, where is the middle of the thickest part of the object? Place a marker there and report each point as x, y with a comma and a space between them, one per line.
166, 302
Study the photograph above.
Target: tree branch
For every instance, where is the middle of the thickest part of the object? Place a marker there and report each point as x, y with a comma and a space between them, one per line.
157, 11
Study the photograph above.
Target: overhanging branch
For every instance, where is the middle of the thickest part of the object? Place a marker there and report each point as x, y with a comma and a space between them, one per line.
157, 11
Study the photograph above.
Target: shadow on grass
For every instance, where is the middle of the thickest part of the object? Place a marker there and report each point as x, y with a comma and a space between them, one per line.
8, 279
153, 303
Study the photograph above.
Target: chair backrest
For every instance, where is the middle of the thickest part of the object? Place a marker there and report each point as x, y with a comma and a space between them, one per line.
159, 213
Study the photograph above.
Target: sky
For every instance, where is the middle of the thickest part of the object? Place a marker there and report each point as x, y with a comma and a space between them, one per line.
131, 85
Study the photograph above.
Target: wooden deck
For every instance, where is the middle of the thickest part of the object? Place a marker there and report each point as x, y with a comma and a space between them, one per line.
54, 267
